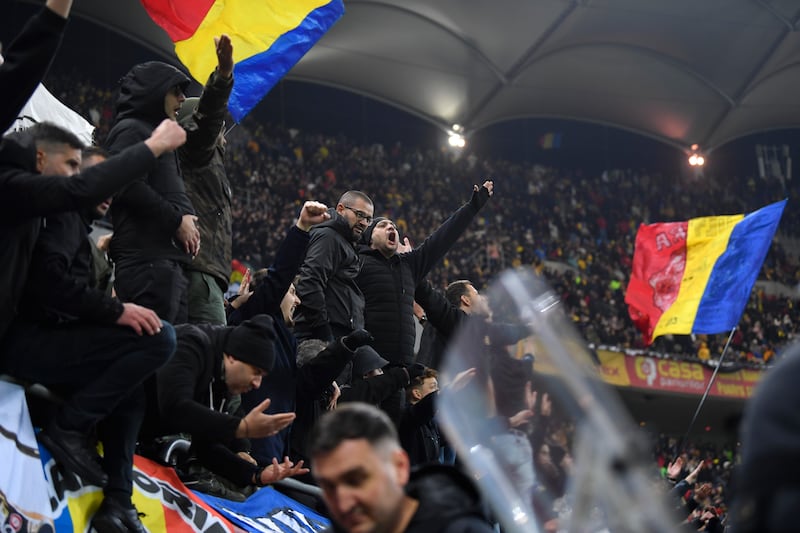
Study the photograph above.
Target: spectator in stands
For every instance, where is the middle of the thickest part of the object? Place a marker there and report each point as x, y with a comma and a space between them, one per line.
101, 268
26, 194
26, 60
461, 295
212, 363
371, 383
388, 278
275, 295
331, 304
203, 168
367, 485
155, 229
94, 349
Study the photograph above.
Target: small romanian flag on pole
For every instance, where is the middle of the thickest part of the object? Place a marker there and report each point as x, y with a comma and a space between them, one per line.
696, 276
269, 37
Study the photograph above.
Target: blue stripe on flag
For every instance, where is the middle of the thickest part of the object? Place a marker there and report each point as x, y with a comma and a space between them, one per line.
735, 272
258, 74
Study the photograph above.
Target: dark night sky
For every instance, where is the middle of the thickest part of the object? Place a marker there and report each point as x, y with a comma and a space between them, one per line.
104, 57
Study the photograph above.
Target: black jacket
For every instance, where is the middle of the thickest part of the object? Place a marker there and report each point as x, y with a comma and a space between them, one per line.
60, 285
202, 161
445, 320
190, 397
376, 389
25, 196
280, 385
448, 502
388, 284
147, 212
26, 61
419, 433
327, 286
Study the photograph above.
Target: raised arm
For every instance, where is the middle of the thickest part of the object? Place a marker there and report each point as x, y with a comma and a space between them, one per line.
433, 249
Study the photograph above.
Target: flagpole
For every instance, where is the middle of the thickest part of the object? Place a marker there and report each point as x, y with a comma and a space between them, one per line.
708, 388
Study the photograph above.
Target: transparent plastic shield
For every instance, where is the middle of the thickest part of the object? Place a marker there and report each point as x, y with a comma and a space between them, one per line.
549, 444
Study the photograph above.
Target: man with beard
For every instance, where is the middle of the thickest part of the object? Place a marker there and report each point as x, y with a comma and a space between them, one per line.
390, 273
331, 303
367, 484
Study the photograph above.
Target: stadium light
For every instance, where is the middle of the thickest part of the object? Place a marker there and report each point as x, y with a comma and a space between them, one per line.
456, 140
695, 158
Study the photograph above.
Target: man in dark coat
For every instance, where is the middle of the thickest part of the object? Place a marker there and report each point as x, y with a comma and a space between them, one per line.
26, 194
202, 161
367, 484
90, 347
331, 302
211, 364
388, 279
155, 230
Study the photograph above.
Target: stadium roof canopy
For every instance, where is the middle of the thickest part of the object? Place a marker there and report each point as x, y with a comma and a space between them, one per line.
680, 71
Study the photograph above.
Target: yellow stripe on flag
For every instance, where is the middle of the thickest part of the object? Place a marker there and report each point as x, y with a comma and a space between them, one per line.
706, 240
252, 26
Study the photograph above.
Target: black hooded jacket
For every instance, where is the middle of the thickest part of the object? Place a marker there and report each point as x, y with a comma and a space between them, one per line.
327, 288
147, 213
26, 196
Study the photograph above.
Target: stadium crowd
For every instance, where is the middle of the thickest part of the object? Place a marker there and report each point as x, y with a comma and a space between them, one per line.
551, 218
296, 206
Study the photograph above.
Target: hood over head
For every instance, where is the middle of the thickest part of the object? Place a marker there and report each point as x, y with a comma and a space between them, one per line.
143, 88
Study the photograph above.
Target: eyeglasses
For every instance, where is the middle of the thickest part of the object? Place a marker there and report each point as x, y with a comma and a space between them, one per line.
360, 215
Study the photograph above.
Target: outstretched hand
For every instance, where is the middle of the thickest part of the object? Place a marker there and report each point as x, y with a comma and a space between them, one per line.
257, 424
675, 468
278, 471
224, 55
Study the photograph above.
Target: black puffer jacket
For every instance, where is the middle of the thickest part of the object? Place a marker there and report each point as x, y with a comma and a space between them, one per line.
388, 283
327, 288
148, 212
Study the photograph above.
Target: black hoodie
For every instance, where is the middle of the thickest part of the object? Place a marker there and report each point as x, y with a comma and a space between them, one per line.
147, 213
327, 288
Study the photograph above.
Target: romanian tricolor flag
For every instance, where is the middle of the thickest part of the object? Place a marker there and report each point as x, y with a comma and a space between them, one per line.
550, 141
268, 36
696, 276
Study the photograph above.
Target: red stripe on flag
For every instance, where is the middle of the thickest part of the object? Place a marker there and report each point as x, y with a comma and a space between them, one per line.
659, 261
179, 18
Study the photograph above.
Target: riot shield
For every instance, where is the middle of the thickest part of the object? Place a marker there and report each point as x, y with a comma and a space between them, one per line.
549, 444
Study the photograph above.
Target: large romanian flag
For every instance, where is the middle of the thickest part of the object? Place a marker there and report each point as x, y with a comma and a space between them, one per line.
268, 36
696, 276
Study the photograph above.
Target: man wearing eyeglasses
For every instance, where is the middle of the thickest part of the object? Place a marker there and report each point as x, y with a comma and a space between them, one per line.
331, 303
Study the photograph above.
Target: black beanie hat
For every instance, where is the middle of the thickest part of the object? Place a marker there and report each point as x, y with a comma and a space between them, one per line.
252, 342
366, 236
